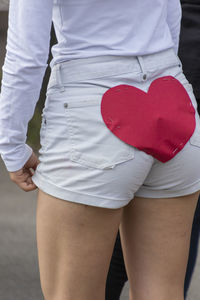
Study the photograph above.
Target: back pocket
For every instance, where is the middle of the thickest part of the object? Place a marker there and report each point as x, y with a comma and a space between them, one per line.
91, 142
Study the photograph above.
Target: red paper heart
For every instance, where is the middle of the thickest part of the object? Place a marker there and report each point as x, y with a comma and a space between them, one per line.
159, 122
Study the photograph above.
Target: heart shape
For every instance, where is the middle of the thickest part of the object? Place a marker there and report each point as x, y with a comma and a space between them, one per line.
159, 122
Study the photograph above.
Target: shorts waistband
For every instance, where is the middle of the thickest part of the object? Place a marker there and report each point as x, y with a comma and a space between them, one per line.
101, 66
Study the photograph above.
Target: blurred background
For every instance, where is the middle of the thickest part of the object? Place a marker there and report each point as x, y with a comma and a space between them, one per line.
19, 272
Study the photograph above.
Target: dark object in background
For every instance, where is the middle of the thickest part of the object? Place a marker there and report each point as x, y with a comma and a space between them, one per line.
189, 53
48, 71
117, 276
3, 34
194, 242
35, 123
189, 47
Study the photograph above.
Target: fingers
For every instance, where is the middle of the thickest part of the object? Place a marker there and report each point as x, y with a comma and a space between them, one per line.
27, 184
23, 178
27, 187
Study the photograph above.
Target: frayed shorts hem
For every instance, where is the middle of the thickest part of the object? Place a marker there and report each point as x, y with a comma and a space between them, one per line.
50, 188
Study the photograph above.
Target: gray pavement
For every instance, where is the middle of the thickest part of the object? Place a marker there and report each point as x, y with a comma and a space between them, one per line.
4, 4
19, 274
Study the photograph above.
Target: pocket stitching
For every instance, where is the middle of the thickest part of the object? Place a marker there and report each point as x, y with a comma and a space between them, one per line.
78, 156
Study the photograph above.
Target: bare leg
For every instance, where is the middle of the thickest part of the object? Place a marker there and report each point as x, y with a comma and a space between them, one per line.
155, 235
75, 245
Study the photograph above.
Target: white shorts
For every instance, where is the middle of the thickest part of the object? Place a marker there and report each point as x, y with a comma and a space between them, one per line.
82, 161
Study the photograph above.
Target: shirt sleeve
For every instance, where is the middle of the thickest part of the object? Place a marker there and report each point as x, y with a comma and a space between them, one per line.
27, 49
174, 15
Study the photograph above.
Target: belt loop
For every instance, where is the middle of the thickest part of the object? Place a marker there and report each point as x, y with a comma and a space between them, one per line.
59, 77
141, 63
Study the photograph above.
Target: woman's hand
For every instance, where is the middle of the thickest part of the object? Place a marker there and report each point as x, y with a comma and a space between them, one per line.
23, 177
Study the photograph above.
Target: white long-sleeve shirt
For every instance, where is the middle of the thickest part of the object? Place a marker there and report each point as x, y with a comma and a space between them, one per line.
84, 28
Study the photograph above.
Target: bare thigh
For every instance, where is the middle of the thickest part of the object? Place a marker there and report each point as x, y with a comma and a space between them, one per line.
155, 236
75, 244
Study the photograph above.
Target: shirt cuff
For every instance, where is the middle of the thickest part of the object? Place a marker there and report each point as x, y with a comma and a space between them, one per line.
15, 165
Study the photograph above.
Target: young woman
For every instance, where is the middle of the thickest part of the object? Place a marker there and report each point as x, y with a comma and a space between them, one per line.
120, 141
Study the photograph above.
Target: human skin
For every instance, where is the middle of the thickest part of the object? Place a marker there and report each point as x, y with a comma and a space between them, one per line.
23, 177
75, 245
